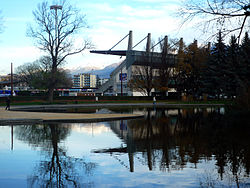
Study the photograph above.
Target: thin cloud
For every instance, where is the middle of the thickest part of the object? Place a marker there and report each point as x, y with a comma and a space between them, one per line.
103, 7
110, 21
17, 19
143, 13
19, 55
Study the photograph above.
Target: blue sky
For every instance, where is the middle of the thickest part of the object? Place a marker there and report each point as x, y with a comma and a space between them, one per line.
109, 21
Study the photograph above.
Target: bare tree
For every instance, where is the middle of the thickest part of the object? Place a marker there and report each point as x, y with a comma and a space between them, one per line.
28, 72
156, 69
38, 74
143, 76
142, 79
53, 33
229, 16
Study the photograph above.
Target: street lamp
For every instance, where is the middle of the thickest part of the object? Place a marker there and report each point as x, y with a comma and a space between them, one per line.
56, 7
11, 80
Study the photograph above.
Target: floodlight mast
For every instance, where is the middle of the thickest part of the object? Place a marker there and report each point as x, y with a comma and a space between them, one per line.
56, 7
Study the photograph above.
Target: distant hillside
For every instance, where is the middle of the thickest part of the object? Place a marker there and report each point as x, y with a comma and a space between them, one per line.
102, 73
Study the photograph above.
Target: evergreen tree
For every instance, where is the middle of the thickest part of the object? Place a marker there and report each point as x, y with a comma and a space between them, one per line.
232, 67
181, 68
244, 71
214, 77
244, 74
191, 61
196, 57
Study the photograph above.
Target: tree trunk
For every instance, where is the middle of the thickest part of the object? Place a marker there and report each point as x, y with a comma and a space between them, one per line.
148, 92
51, 95
52, 84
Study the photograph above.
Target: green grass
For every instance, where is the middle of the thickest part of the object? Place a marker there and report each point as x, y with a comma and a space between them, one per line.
201, 102
226, 102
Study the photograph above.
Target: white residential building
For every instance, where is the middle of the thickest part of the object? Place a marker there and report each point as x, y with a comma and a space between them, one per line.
84, 80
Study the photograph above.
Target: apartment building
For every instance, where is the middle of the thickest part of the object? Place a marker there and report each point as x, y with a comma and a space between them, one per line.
84, 80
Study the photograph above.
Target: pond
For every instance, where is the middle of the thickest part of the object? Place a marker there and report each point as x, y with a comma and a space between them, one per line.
191, 147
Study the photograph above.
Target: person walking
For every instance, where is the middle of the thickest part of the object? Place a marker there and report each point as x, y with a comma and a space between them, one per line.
154, 100
7, 103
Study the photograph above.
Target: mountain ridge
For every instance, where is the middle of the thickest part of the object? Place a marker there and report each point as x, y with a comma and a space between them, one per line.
102, 73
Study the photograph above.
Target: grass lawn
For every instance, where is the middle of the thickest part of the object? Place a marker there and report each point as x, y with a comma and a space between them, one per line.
41, 102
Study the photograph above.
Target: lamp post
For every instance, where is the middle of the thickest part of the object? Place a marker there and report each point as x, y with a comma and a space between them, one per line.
121, 82
56, 7
11, 80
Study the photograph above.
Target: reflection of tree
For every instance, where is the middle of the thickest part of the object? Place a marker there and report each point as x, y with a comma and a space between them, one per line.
58, 169
148, 143
172, 141
42, 135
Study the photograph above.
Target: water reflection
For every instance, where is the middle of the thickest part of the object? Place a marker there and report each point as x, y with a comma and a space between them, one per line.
209, 147
57, 169
169, 140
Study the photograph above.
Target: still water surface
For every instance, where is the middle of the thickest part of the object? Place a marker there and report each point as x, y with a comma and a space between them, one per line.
167, 148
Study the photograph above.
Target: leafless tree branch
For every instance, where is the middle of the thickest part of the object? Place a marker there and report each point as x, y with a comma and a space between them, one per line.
54, 33
215, 15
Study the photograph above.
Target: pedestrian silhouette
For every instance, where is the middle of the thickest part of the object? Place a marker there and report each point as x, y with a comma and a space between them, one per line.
7, 103
154, 100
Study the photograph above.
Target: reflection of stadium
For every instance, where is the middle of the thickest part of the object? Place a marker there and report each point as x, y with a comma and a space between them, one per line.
170, 139
90, 128
143, 137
